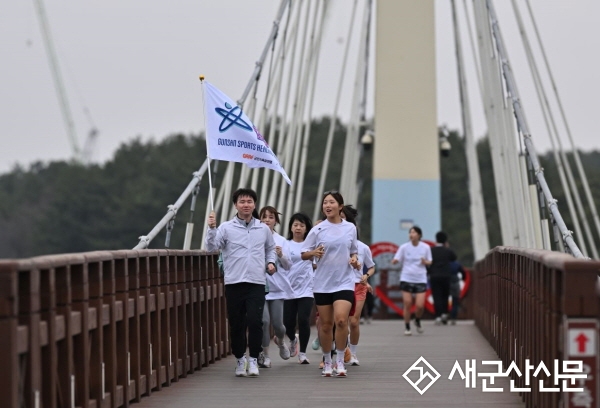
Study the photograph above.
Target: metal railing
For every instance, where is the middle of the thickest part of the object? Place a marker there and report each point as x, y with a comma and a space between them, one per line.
530, 304
103, 329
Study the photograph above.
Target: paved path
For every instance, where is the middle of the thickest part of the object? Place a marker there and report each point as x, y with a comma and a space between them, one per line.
385, 354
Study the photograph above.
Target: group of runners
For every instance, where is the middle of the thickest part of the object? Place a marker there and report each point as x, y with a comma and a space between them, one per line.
274, 281
325, 265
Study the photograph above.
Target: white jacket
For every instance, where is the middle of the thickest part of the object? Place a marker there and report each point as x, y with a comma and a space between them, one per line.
246, 250
279, 284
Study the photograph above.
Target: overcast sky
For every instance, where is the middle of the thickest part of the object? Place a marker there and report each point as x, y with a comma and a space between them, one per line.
134, 65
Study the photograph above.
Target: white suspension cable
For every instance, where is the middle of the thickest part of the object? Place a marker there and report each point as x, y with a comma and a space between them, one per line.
315, 53
333, 122
523, 127
479, 232
580, 169
562, 163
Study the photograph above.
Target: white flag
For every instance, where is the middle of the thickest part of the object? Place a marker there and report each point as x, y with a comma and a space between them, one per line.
231, 136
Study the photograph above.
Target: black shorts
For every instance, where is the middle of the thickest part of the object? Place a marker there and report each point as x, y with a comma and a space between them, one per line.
413, 287
323, 299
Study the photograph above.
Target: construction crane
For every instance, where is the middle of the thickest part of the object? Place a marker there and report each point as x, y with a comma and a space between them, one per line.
82, 156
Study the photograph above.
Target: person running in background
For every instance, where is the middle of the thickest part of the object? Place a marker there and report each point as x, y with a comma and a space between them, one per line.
414, 256
334, 243
279, 290
361, 286
367, 314
439, 276
298, 306
455, 268
248, 250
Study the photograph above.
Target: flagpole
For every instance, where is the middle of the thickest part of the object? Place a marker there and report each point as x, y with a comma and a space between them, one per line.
210, 187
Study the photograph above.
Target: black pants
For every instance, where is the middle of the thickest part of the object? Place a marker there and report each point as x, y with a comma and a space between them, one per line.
369, 305
440, 289
245, 304
300, 308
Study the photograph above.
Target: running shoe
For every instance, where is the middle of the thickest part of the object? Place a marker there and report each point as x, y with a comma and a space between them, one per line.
302, 359
407, 332
293, 347
327, 370
284, 353
353, 360
261, 358
266, 363
438, 321
419, 328
347, 354
316, 344
340, 369
240, 368
252, 367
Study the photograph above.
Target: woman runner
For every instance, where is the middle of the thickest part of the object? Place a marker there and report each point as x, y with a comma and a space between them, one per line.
301, 276
279, 289
414, 256
333, 242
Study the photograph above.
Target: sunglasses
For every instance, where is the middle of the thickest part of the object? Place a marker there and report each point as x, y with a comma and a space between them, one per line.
330, 192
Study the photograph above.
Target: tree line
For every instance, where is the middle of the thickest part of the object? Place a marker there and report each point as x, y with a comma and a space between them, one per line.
63, 207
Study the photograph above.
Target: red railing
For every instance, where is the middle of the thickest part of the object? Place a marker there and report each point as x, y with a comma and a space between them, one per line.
103, 329
533, 304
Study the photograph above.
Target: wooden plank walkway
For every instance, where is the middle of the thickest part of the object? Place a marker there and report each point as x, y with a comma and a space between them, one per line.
385, 354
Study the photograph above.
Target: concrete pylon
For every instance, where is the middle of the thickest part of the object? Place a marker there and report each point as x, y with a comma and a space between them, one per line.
406, 173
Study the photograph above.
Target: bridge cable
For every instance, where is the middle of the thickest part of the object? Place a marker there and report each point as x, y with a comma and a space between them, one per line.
333, 121
479, 232
510, 84
580, 169
562, 163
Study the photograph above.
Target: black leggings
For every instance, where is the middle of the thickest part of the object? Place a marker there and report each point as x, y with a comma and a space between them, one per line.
301, 309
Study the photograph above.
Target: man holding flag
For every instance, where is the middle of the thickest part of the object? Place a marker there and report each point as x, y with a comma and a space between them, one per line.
248, 251
247, 244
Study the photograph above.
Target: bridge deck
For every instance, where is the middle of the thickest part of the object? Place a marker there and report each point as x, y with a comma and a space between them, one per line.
385, 354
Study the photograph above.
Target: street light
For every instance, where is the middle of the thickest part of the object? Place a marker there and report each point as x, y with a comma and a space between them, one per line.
445, 145
367, 139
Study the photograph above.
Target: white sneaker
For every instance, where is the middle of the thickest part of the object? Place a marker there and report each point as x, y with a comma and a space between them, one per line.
353, 360
316, 344
284, 353
438, 321
327, 370
266, 362
302, 359
252, 367
340, 369
240, 368
407, 332
419, 327
294, 347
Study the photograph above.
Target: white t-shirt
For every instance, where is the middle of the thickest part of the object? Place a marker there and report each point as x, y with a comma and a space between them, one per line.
365, 258
409, 255
279, 285
301, 274
333, 272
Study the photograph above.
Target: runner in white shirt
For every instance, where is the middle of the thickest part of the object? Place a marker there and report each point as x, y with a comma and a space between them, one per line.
301, 276
414, 256
333, 242
361, 286
278, 289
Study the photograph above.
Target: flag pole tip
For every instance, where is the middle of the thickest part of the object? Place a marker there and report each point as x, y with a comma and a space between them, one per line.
201, 77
